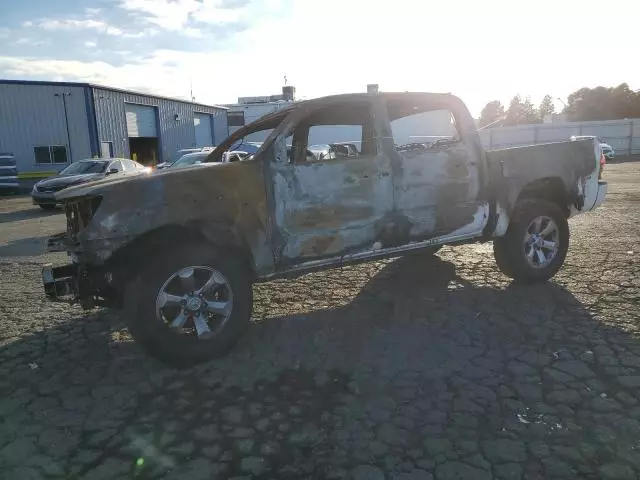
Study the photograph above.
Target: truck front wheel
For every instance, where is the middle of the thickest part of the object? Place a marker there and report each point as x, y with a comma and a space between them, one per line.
536, 243
189, 305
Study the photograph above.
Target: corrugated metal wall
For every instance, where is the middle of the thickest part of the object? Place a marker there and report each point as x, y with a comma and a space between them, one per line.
30, 115
175, 132
220, 126
622, 135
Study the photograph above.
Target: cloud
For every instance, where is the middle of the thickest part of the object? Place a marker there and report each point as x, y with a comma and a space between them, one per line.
28, 42
164, 72
406, 46
90, 44
174, 15
87, 23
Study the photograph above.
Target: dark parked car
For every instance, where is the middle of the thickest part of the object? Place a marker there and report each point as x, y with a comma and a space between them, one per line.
82, 171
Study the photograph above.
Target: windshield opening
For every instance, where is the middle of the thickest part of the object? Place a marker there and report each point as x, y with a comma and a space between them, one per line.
190, 159
85, 166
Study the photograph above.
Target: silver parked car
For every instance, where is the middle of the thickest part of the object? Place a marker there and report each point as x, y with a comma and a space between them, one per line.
82, 171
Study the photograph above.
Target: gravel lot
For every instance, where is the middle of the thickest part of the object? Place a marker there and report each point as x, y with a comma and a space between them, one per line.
407, 369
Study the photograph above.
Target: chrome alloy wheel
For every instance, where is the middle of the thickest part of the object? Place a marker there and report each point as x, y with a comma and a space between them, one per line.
195, 300
541, 242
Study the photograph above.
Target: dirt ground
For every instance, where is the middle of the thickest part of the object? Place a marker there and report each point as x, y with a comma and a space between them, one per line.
402, 369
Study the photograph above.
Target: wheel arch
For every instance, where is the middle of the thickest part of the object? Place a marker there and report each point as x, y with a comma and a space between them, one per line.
551, 188
128, 259
547, 188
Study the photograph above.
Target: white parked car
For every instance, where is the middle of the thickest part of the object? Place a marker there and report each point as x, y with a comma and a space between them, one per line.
606, 149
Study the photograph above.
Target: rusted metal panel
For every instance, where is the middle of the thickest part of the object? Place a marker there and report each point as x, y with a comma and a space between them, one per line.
437, 191
211, 199
513, 168
327, 208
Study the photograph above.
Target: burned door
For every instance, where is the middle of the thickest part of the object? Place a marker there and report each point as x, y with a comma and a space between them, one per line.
327, 202
436, 175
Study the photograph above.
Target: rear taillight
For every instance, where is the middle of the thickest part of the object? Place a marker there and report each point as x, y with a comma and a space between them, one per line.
603, 162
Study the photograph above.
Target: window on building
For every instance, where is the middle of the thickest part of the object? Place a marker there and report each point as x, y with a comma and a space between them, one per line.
235, 119
59, 154
50, 154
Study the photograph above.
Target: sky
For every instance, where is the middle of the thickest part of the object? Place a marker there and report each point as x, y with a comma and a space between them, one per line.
480, 50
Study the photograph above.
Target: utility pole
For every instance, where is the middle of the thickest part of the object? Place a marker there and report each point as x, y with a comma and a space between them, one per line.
64, 96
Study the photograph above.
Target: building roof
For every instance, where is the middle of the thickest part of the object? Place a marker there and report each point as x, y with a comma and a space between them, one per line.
113, 89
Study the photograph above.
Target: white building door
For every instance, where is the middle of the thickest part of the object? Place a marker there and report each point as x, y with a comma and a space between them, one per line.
141, 120
202, 126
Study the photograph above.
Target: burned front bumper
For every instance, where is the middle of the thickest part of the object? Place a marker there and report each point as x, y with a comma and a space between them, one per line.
77, 283
86, 282
60, 282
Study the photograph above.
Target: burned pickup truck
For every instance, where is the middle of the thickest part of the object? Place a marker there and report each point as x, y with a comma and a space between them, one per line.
179, 250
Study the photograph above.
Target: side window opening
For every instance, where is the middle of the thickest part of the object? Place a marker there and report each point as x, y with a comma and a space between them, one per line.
332, 133
247, 141
421, 127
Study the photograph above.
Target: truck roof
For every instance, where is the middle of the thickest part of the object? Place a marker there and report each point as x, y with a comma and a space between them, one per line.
346, 97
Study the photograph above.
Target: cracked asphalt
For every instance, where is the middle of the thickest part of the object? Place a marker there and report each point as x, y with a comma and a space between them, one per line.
407, 369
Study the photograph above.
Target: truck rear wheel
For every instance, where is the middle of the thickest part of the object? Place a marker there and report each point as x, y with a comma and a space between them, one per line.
536, 243
189, 306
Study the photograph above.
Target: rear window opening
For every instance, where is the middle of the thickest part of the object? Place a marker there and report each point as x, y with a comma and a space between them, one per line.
415, 126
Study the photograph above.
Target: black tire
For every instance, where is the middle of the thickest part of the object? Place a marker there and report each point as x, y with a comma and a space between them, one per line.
46, 206
500, 255
509, 250
156, 337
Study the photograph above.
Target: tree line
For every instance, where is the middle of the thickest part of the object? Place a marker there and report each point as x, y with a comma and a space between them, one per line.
600, 103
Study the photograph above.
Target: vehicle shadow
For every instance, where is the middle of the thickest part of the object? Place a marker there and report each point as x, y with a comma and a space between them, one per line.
24, 247
429, 352
35, 212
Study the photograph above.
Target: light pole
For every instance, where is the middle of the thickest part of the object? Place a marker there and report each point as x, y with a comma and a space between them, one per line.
563, 102
64, 96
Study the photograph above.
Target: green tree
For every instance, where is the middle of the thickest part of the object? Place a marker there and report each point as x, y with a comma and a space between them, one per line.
514, 112
603, 103
546, 107
491, 112
529, 112
521, 112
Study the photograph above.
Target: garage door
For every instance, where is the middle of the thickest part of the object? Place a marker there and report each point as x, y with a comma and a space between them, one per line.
202, 125
141, 120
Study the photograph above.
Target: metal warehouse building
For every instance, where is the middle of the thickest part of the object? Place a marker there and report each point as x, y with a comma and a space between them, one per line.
46, 125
